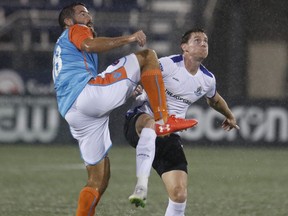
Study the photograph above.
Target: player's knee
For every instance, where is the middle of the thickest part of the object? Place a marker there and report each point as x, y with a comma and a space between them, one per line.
149, 122
179, 194
144, 121
146, 56
146, 53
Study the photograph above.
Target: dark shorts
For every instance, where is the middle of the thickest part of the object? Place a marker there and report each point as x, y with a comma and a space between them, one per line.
169, 153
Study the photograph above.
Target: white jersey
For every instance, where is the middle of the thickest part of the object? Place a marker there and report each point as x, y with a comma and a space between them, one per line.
182, 88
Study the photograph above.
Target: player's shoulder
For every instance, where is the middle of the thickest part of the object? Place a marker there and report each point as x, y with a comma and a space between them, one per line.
176, 58
206, 72
173, 58
170, 61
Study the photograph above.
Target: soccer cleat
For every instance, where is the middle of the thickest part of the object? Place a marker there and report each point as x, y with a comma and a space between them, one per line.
138, 198
174, 124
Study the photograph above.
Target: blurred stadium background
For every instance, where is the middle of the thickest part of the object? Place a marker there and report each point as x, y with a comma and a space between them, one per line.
248, 55
41, 171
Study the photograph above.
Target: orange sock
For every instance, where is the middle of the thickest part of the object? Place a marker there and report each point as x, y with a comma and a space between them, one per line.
153, 84
87, 202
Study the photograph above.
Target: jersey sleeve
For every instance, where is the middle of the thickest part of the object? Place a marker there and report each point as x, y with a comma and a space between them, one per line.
78, 33
212, 91
166, 65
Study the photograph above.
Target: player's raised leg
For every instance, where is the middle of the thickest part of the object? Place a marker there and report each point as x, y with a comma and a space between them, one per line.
152, 81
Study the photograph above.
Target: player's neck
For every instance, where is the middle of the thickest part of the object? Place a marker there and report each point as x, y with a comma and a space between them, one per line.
192, 65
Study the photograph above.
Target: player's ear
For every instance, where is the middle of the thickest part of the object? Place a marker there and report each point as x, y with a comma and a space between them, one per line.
68, 22
184, 47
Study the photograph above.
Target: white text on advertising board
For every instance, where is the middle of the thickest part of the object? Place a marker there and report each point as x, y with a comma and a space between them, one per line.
28, 119
256, 124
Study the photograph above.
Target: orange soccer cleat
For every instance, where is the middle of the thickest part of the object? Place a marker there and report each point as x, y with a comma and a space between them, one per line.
174, 124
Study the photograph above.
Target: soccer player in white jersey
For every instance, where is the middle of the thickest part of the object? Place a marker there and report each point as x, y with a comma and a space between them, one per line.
186, 81
85, 98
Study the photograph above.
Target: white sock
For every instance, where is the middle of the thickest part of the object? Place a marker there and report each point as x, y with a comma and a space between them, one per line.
175, 209
145, 152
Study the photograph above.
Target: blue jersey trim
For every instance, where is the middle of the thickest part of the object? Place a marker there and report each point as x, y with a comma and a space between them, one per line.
205, 71
177, 58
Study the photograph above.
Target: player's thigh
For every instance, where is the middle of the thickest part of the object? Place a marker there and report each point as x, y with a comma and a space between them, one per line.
99, 100
169, 155
111, 88
131, 65
91, 133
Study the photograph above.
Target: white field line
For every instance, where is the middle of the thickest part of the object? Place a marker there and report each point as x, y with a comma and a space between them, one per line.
37, 168
56, 167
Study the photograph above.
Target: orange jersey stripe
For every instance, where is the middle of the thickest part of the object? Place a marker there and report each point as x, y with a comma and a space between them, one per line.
110, 78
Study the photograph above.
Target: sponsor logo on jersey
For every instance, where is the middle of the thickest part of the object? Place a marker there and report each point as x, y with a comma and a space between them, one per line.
177, 97
198, 92
117, 75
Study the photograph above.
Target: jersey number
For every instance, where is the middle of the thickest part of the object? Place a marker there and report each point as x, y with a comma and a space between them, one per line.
57, 62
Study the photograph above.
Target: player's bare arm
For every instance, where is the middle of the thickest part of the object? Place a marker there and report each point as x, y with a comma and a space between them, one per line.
220, 105
103, 44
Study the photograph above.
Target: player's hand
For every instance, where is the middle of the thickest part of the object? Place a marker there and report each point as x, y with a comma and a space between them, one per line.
229, 124
137, 91
140, 38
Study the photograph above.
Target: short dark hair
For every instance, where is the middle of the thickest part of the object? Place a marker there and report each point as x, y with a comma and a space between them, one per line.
67, 12
186, 36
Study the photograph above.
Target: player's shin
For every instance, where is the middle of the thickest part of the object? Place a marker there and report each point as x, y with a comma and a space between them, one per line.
145, 152
153, 84
87, 202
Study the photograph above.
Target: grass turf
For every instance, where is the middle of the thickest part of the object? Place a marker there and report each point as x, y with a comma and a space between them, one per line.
45, 181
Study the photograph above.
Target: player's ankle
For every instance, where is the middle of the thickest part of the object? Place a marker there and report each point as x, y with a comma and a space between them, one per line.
142, 181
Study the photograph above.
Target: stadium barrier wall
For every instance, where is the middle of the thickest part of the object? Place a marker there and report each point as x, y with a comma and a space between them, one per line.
29, 115
34, 119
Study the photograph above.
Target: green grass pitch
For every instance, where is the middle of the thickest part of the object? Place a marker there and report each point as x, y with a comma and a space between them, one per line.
45, 181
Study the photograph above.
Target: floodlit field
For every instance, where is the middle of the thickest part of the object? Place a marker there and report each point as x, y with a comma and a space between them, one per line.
45, 181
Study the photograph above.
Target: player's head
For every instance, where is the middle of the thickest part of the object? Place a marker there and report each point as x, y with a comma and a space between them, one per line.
75, 13
195, 42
